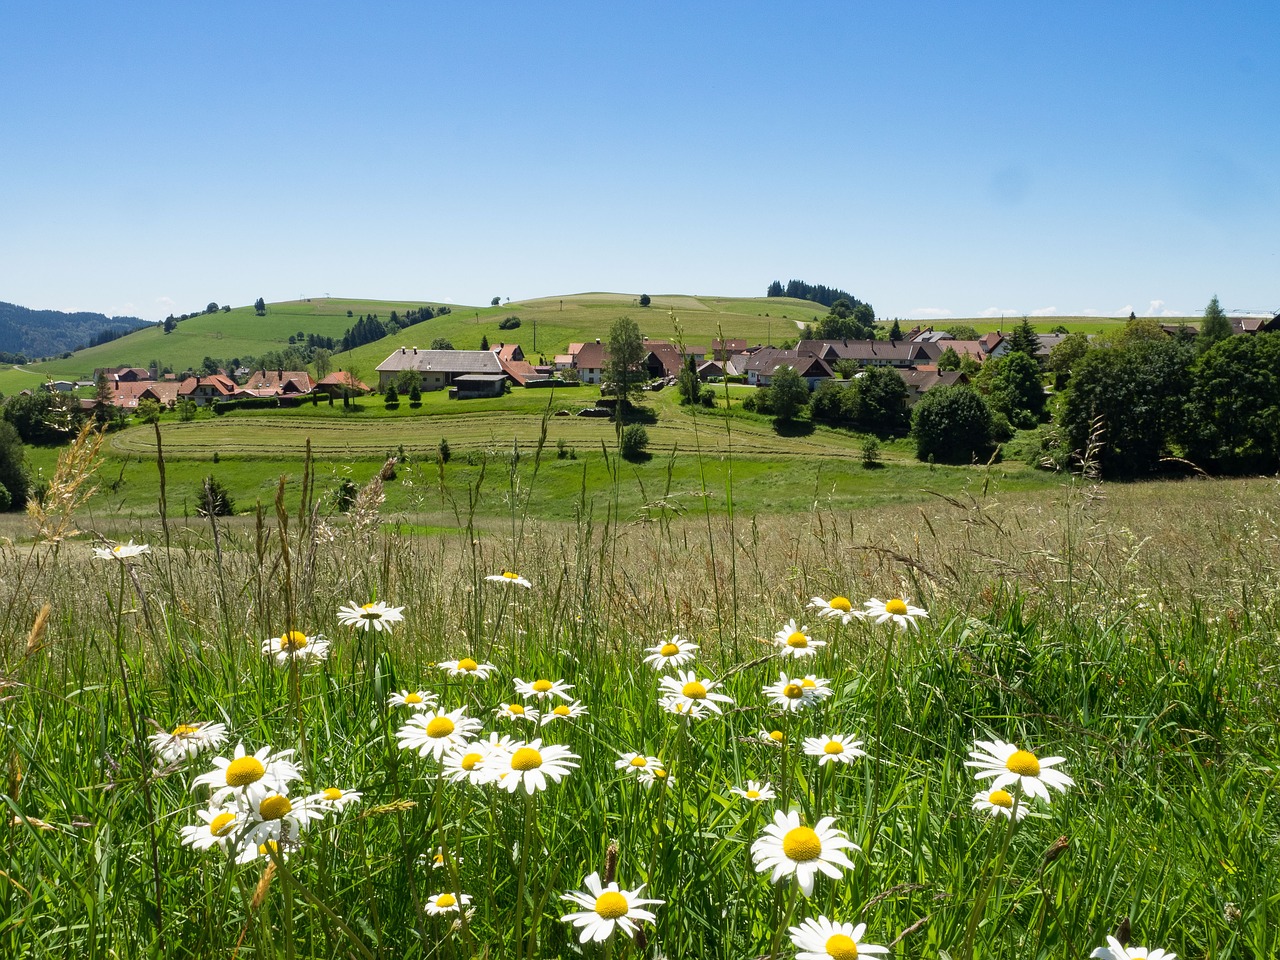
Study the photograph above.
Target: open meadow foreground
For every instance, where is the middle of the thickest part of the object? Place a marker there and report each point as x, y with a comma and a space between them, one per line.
1000, 723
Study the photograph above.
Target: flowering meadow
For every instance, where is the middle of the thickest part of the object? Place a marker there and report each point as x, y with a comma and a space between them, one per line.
302, 736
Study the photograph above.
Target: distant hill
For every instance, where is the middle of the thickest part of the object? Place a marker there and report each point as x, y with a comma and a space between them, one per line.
50, 333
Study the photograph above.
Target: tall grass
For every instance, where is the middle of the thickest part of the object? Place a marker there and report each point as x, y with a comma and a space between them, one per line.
1127, 629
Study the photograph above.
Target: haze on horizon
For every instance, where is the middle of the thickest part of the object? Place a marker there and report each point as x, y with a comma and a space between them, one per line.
937, 161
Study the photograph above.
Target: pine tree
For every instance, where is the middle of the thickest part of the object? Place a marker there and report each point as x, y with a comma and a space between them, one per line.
1215, 326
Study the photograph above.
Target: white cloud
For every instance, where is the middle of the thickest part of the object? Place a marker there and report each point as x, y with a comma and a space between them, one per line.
1158, 309
929, 313
998, 312
1124, 311
1045, 312
166, 303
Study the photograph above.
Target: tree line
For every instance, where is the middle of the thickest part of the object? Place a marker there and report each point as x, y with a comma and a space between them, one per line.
817, 292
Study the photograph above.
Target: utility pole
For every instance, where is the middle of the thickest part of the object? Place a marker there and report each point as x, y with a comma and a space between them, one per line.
535, 334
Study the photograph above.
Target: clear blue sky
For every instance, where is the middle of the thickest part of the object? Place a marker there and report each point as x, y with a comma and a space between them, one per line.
934, 159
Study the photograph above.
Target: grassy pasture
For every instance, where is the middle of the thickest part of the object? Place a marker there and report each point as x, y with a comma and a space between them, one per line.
1129, 629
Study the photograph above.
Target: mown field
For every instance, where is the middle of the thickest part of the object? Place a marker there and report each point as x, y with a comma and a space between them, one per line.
1129, 630
560, 461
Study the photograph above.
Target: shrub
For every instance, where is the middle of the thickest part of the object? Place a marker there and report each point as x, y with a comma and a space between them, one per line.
870, 453
951, 425
510, 323
213, 499
344, 495
442, 451
635, 442
393, 397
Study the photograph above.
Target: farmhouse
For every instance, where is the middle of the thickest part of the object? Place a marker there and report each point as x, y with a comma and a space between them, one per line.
763, 365
204, 390
278, 383
339, 384
437, 369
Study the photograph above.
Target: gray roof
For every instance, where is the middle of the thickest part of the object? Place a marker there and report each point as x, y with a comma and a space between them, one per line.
441, 361
479, 378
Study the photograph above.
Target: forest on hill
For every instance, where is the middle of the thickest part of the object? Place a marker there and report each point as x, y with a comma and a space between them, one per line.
27, 334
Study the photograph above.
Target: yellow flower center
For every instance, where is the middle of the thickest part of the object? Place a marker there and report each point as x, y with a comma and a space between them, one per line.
274, 807
466, 663
510, 576
896, 606
833, 747
807, 683
793, 691
244, 770
694, 690
1024, 764
439, 727
185, 730
777, 736
801, 845
292, 641
561, 711
526, 758
841, 947
220, 825
541, 686
366, 606
669, 650
515, 709
470, 761
332, 793
611, 905
412, 698
1001, 798
797, 639
117, 548
268, 848
446, 900
841, 603
639, 762
753, 794
660, 773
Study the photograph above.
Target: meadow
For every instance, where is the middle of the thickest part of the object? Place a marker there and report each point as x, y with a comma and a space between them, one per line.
1130, 630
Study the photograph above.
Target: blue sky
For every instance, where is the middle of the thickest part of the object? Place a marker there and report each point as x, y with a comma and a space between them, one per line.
934, 159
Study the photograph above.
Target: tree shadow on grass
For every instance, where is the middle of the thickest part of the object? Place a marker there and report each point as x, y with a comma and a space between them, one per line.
793, 428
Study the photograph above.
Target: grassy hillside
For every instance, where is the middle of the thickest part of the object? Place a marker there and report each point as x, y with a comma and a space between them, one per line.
548, 325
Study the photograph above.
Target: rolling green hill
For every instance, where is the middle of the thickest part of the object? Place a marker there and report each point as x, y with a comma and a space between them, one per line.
548, 325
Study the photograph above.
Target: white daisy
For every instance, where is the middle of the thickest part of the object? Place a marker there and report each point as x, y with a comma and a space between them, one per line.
821, 939
836, 608
334, 799
467, 762
648, 776
414, 699
441, 903
834, 749
517, 711
433, 733
636, 762
296, 645
564, 711
897, 610
998, 803
1009, 765
607, 908
274, 815
788, 847
788, 693
543, 688
186, 740
1115, 950
529, 764
815, 688
774, 738
263, 851
674, 653
271, 771
755, 792
376, 616
509, 579
792, 641
685, 693
219, 827
467, 667
121, 551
